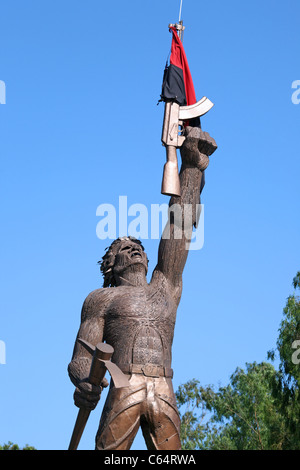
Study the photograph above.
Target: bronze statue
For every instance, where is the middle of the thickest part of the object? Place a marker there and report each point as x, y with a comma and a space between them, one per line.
137, 319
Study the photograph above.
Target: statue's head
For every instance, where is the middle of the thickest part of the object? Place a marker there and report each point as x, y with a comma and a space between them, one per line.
125, 253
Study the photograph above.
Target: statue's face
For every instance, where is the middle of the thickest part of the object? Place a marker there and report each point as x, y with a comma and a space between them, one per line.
129, 254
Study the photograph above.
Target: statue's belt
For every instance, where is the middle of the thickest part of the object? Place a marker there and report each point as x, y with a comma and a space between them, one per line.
149, 370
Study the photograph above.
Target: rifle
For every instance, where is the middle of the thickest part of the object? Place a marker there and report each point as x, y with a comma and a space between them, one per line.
175, 117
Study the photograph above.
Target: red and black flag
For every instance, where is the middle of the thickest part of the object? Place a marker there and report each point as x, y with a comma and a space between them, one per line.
177, 82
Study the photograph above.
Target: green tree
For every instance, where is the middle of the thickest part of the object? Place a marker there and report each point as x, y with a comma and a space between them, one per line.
287, 385
240, 416
259, 408
11, 446
193, 413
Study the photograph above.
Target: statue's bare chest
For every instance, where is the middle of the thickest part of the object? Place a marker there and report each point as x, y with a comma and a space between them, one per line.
139, 303
140, 325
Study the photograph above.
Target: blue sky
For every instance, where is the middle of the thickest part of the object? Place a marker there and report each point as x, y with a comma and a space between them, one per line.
81, 127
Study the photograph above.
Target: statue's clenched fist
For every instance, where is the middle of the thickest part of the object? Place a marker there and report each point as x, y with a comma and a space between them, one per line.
197, 147
87, 395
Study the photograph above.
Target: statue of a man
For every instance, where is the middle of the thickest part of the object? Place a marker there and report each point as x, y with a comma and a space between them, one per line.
137, 319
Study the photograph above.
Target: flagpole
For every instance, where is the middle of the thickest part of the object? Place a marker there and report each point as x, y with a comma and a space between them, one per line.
180, 11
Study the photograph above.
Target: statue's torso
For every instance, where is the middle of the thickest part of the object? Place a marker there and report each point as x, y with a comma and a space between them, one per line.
139, 324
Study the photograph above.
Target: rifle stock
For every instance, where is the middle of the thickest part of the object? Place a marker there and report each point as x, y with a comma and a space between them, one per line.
171, 183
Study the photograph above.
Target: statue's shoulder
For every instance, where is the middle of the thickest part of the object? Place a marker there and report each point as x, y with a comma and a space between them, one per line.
96, 302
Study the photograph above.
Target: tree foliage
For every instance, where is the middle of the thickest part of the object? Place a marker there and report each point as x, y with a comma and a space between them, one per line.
11, 446
259, 408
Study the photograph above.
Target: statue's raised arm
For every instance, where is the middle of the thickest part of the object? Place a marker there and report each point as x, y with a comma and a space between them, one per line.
184, 211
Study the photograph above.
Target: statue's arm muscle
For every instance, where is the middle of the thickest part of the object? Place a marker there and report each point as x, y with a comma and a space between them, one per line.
91, 329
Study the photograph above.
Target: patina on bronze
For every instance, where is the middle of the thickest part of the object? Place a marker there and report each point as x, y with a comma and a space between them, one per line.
137, 319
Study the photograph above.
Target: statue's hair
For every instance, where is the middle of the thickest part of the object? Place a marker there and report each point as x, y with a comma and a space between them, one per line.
108, 260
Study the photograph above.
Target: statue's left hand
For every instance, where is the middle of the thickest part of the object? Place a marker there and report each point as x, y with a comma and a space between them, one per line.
87, 395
